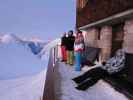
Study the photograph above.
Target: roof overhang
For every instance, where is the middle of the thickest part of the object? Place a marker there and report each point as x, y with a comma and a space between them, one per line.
117, 18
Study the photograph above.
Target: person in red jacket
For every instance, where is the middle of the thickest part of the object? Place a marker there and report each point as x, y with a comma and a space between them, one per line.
63, 47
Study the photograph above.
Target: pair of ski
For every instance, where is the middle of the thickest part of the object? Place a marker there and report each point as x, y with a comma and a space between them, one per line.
82, 84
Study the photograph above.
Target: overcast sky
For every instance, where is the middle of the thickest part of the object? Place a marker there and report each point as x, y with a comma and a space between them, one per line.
45, 19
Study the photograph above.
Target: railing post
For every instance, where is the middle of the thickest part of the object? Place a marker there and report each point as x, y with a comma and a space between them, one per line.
54, 55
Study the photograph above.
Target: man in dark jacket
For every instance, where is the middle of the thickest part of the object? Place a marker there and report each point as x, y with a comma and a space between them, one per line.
63, 47
70, 47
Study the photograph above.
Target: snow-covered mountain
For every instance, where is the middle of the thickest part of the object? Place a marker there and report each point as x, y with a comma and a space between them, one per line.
20, 56
50, 45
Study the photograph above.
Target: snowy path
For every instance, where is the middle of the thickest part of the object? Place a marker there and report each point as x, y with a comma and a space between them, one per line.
65, 87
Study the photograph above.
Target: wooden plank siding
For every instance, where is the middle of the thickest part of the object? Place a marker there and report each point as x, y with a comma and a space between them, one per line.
95, 10
81, 4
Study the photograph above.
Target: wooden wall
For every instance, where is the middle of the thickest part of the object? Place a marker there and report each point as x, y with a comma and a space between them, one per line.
80, 4
95, 10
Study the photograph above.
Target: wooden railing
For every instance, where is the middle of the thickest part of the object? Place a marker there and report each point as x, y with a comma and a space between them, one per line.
49, 93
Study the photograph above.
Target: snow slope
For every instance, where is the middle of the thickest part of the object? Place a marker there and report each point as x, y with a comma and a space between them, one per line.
26, 88
22, 75
18, 61
18, 55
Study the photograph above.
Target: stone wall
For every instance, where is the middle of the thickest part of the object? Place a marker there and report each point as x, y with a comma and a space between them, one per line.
128, 46
106, 43
128, 36
91, 37
111, 39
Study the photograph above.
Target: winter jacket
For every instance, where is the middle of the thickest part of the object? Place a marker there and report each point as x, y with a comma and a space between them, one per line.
79, 43
63, 41
116, 63
70, 43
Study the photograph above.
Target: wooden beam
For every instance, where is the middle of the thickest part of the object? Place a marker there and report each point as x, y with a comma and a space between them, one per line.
111, 20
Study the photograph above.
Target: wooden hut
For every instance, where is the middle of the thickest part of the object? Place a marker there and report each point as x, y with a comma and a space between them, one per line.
108, 25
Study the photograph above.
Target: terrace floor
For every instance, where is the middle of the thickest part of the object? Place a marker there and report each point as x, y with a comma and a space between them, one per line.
65, 87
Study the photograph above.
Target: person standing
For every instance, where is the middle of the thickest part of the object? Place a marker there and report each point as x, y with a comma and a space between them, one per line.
78, 48
70, 48
63, 47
